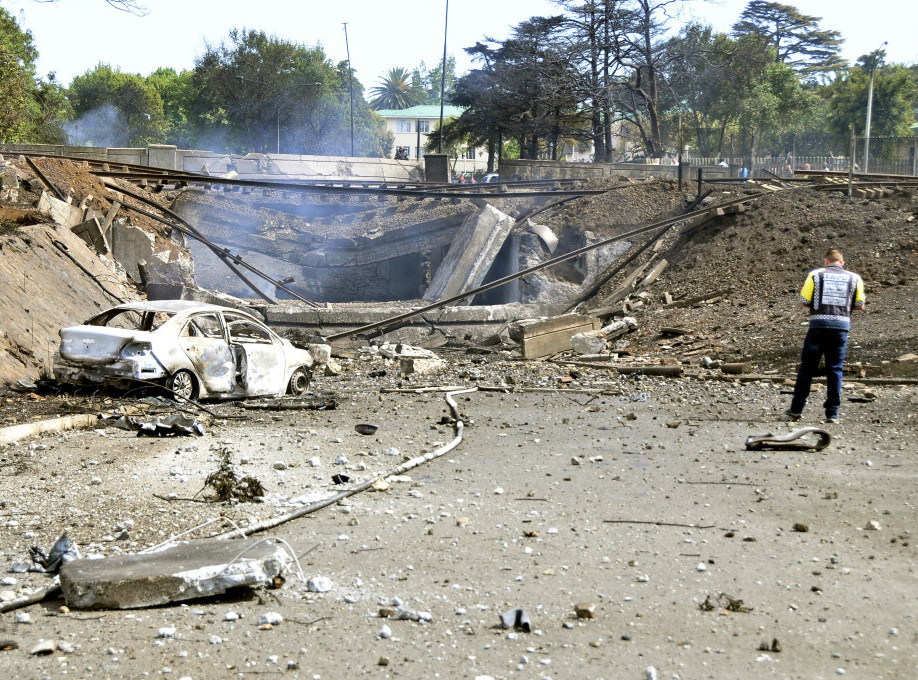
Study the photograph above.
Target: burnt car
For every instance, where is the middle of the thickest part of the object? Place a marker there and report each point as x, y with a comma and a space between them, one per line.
195, 350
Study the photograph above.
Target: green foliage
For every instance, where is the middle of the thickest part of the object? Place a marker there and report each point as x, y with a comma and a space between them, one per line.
395, 91
796, 38
112, 108
427, 82
895, 97
179, 94
49, 109
17, 69
253, 88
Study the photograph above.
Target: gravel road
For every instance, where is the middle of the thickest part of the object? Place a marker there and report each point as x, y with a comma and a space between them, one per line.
637, 497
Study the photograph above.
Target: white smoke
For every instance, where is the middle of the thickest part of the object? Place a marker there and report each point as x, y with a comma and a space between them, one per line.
104, 126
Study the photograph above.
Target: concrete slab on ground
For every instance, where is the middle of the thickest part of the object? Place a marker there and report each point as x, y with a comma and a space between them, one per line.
189, 570
471, 254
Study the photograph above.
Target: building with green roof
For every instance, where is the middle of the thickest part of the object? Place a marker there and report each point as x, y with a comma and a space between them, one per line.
411, 127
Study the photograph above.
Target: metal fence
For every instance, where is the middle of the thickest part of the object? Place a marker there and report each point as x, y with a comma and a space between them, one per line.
888, 155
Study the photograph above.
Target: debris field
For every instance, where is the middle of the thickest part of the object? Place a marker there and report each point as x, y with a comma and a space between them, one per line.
578, 513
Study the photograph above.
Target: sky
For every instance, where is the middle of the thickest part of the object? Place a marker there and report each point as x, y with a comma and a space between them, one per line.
73, 36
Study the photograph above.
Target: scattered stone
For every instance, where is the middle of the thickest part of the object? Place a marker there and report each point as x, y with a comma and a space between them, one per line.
319, 584
589, 342
585, 610
380, 485
43, 648
167, 631
281, 465
872, 525
383, 661
385, 632
800, 527
270, 618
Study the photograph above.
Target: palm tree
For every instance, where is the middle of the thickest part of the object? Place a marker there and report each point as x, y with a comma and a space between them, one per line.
394, 91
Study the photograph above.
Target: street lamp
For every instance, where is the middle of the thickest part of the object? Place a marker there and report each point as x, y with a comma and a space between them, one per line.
873, 68
443, 79
350, 76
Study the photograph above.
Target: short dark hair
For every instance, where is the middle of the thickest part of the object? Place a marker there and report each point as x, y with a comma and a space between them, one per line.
834, 255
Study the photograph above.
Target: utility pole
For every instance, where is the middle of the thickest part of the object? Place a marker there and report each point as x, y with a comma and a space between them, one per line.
873, 68
350, 75
851, 162
443, 80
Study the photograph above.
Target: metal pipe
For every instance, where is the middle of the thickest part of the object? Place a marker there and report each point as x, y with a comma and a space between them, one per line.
873, 68
443, 80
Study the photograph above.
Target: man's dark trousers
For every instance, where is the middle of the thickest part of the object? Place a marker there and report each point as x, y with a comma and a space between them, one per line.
831, 343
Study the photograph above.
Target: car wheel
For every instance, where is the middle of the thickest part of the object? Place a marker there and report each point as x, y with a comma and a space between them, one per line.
183, 385
299, 382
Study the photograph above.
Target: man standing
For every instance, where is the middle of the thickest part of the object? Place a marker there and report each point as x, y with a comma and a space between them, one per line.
830, 293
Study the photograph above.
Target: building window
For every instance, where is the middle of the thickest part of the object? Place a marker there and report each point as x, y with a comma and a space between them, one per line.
403, 126
402, 153
424, 126
469, 154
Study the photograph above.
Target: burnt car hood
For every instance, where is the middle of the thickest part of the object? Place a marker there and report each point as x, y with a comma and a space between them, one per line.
97, 344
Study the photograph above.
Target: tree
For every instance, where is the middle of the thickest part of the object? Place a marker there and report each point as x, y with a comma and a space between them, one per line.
49, 111
255, 89
636, 35
115, 109
797, 39
17, 70
427, 82
395, 91
524, 90
895, 94
179, 93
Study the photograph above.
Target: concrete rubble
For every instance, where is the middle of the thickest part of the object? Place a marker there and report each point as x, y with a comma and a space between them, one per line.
186, 571
471, 254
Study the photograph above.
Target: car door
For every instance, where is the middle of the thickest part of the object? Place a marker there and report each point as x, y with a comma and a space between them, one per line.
204, 342
262, 367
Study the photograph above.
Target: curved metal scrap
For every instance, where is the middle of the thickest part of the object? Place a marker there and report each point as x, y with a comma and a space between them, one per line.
789, 441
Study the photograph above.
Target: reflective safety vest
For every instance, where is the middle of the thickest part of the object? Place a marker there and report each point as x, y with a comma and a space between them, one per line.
831, 293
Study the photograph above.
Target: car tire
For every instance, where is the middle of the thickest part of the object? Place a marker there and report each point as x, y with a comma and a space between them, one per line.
299, 382
183, 385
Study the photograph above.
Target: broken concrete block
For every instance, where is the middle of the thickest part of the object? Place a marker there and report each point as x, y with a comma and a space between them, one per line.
543, 337
60, 212
186, 571
545, 233
320, 352
618, 328
420, 365
91, 232
471, 254
589, 342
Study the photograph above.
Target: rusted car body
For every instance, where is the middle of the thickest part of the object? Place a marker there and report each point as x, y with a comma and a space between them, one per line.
193, 349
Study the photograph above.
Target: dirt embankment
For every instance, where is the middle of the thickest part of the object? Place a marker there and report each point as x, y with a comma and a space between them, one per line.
761, 256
